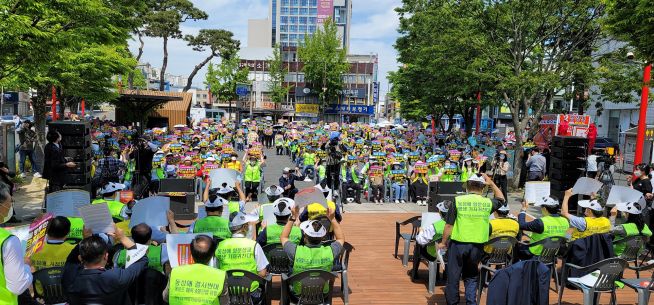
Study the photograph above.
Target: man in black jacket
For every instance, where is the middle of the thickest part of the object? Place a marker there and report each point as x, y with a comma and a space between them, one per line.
55, 165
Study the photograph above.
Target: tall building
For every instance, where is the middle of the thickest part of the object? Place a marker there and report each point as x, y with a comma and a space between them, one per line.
289, 21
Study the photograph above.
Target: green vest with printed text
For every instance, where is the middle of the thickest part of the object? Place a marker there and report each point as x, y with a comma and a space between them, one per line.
237, 253
630, 229
153, 254
217, 225
472, 222
196, 284
552, 227
312, 258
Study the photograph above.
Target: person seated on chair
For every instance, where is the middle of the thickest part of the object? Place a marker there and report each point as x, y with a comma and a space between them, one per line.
502, 225
55, 250
434, 233
270, 233
119, 211
316, 210
241, 252
153, 282
214, 222
85, 279
551, 224
273, 193
594, 221
635, 224
198, 283
313, 254
234, 195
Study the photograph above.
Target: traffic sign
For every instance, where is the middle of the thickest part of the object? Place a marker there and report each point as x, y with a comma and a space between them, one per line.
242, 90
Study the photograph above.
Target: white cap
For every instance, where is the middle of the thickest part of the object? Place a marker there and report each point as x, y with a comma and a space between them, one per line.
282, 206
286, 169
630, 207
307, 228
225, 190
442, 207
159, 152
112, 187
220, 201
322, 189
546, 201
504, 208
591, 204
212, 159
274, 190
187, 158
240, 219
477, 178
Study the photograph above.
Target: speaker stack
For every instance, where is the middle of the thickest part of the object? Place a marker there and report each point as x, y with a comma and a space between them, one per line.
567, 164
76, 144
182, 196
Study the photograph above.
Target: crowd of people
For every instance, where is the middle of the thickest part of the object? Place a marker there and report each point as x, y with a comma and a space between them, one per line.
388, 165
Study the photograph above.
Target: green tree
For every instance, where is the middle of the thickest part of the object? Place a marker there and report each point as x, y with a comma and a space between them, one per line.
219, 42
631, 21
277, 71
164, 21
324, 62
223, 78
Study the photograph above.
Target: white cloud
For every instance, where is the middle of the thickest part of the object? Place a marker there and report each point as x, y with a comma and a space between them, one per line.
381, 25
387, 58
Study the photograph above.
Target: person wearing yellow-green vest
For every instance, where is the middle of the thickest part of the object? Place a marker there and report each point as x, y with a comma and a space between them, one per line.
15, 275
321, 170
198, 283
55, 250
241, 252
234, 195
353, 178
433, 233
270, 233
313, 254
214, 223
551, 224
502, 225
273, 193
119, 211
252, 177
279, 144
468, 169
308, 160
466, 230
76, 227
634, 225
594, 221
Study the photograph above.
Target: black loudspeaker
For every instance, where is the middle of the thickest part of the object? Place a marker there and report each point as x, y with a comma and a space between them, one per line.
563, 141
450, 187
567, 164
72, 141
71, 128
79, 154
571, 174
445, 197
73, 180
177, 185
183, 206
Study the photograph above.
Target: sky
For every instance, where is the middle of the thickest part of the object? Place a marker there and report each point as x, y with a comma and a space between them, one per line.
373, 29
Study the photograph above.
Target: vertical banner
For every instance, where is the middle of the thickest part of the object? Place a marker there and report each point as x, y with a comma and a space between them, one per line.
325, 10
83, 107
54, 104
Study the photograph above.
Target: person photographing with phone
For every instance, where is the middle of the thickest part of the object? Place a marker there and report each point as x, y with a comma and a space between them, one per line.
55, 166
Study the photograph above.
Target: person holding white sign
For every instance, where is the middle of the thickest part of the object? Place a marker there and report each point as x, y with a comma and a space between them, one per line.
270, 233
551, 224
593, 221
198, 283
214, 222
118, 210
635, 224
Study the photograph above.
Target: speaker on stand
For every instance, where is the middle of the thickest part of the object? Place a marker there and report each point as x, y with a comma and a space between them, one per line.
76, 145
567, 164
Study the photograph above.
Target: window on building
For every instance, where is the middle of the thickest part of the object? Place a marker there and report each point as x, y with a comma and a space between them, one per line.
292, 28
313, 3
295, 2
302, 28
283, 20
292, 37
305, 2
285, 2
283, 10
303, 20
293, 43
313, 11
283, 37
283, 28
293, 20
300, 37
300, 78
295, 11
304, 11
312, 29
340, 15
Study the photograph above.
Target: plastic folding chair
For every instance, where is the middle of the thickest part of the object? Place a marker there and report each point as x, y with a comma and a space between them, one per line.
632, 246
239, 287
500, 256
644, 292
408, 238
279, 261
47, 285
341, 266
433, 265
312, 284
608, 271
551, 250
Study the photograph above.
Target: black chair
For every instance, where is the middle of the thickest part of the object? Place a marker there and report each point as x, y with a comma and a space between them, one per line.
420, 254
47, 285
312, 284
279, 262
632, 247
610, 270
552, 248
239, 287
500, 256
644, 292
408, 238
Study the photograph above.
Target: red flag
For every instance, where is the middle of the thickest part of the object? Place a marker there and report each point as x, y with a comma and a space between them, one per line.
433, 126
83, 106
54, 104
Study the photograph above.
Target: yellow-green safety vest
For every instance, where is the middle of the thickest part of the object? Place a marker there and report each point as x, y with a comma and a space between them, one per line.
51, 255
312, 258
196, 284
153, 254
252, 173
115, 207
237, 253
471, 224
217, 225
630, 229
599, 225
553, 226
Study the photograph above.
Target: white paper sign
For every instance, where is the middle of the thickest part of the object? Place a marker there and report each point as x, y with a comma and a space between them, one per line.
586, 186
179, 248
269, 214
308, 196
67, 202
535, 190
428, 219
134, 255
152, 211
222, 176
622, 194
97, 218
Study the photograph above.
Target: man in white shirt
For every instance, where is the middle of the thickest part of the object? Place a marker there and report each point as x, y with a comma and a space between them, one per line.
15, 275
591, 165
